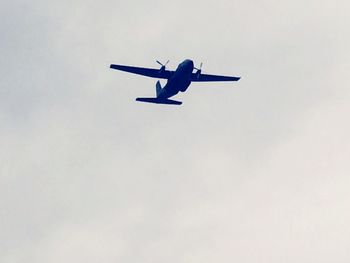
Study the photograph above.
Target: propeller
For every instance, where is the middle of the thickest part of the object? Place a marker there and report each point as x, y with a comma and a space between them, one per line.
163, 65
200, 67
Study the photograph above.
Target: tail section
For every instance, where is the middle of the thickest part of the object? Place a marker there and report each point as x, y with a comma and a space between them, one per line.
159, 99
158, 89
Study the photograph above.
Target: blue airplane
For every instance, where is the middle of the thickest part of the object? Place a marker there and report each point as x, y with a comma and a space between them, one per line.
178, 80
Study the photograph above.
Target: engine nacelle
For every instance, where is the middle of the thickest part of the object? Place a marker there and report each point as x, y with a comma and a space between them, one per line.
198, 73
161, 70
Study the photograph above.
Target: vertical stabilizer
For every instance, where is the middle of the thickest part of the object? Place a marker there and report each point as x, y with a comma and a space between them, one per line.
158, 89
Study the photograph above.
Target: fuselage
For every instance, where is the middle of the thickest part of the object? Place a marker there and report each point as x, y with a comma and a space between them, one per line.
179, 81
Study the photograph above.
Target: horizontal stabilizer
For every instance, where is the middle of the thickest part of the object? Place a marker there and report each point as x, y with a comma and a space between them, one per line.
159, 101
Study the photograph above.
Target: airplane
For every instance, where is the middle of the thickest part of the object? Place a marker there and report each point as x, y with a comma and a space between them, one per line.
178, 80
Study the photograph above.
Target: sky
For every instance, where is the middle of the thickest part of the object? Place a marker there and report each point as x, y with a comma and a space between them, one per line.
252, 171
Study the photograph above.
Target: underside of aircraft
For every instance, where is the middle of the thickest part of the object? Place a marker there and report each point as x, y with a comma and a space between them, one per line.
177, 81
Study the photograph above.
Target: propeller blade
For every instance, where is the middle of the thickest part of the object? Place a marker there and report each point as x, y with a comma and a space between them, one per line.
163, 65
200, 67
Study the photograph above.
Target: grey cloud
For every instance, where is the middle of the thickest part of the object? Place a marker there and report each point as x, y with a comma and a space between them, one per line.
251, 172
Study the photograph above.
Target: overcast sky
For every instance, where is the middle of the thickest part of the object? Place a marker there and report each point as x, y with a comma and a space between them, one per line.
252, 171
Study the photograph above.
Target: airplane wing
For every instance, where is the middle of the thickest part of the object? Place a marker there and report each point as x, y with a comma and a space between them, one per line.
206, 77
148, 72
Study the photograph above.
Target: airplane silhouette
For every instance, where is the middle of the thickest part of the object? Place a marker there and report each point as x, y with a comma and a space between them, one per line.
178, 80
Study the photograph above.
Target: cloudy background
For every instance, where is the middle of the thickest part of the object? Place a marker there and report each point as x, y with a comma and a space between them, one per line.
253, 171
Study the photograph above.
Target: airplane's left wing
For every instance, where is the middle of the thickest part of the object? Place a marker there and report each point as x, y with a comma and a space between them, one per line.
148, 72
206, 77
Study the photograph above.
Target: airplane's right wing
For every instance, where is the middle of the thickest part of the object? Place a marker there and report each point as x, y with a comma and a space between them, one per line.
148, 72
206, 77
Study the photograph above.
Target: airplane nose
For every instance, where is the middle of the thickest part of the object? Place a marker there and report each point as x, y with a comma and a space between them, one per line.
190, 64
